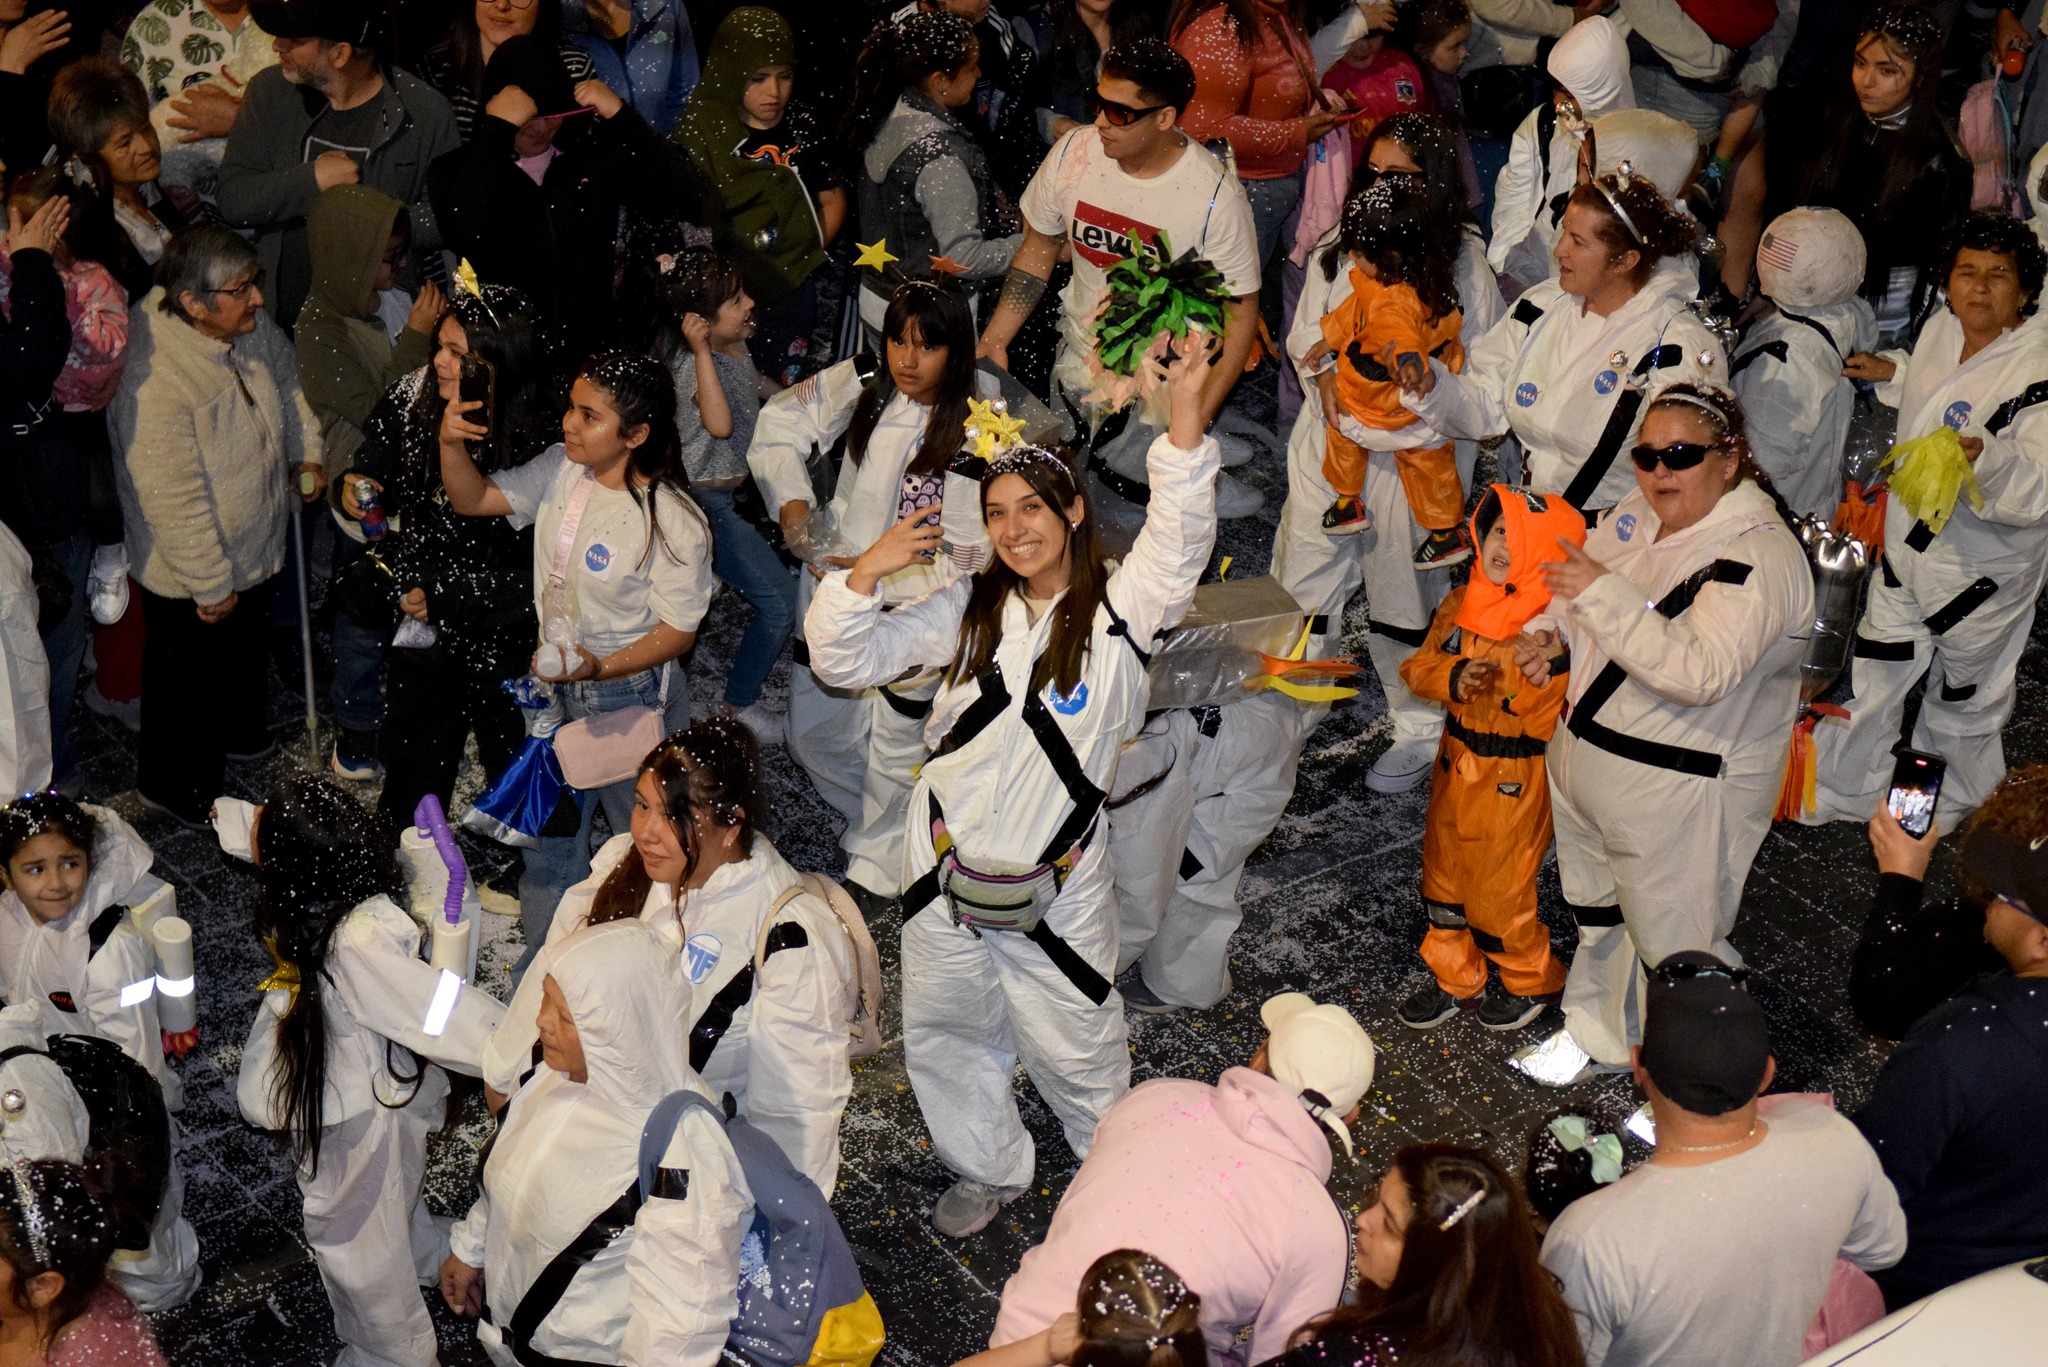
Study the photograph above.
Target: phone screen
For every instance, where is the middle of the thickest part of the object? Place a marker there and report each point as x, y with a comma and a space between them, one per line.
1916, 788
479, 385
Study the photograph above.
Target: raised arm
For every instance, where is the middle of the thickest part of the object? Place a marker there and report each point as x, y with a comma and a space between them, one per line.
1156, 582
854, 644
469, 491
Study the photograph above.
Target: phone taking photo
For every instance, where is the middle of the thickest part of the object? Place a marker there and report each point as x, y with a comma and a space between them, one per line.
479, 384
1915, 791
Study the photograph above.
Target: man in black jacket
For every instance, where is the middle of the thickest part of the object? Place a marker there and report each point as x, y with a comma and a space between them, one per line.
1958, 1113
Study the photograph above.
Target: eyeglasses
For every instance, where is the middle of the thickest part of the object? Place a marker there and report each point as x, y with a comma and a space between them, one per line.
241, 291
1670, 974
1680, 455
1122, 115
516, 4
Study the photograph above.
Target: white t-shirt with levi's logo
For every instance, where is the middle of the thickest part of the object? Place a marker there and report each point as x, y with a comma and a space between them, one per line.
1081, 194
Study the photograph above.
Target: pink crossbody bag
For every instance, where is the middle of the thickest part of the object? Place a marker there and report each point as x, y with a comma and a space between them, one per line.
598, 751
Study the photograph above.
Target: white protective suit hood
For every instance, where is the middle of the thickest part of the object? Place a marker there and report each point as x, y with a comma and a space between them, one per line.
119, 859
1656, 146
1810, 258
1591, 63
631, 1004
1263, 1113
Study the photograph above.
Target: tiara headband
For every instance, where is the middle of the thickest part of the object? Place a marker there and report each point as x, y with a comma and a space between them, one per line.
1624, 176
1699, 401
32, 1221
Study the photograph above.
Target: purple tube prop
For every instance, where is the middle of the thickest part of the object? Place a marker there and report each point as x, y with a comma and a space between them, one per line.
429, 817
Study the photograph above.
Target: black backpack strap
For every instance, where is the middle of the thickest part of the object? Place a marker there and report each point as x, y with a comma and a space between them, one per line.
102, 929
1620, 422
2010, 409
995, 696
1789, 316
1776, 349
9, 1054
1119, 627
1546, 129
1086, 797
737, 992
545, 1294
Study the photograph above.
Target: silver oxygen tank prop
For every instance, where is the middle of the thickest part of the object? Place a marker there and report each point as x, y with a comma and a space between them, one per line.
1840, 565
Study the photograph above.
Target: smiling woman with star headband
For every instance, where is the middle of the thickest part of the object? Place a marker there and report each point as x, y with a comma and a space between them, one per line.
1010, 938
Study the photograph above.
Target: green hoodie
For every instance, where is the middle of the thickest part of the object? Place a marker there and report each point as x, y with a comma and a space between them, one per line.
756, 195
346, 359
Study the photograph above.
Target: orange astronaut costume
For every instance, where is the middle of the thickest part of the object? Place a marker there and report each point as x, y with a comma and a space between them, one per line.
1489, 806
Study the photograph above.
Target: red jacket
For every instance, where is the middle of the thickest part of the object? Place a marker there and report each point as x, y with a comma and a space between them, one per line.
1257, 100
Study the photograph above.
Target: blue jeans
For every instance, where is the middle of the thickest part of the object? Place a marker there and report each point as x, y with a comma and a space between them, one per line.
742, 557
65, 647
1273, 204
563, 861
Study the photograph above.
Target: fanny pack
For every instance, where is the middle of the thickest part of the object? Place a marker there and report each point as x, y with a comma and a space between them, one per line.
982, 899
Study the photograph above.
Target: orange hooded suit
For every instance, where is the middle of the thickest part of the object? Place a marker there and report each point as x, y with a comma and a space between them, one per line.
1489, 802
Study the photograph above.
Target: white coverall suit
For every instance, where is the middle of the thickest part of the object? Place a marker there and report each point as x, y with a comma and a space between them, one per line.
662, 1287
1787, 372
24, 675
973, 1005
53, 1122
111, 993
776, 1041
1960, 604
1663, 777
1323, 571
372, 1237
859, 746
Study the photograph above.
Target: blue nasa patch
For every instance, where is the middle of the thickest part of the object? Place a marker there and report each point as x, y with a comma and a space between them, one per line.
1625, 526
1957, 414
1604, 382
1525, 393
1070, 704
598, 558
700, 956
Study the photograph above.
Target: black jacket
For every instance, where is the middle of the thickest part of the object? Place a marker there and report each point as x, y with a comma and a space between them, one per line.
1957, 1118
42, 489
1911, 958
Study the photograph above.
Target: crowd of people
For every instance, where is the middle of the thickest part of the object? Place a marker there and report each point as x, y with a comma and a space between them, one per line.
475, 351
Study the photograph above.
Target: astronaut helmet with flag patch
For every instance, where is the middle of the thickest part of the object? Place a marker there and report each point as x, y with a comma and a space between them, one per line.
1810, 258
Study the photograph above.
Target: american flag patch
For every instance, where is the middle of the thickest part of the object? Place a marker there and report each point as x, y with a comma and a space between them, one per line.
1776, 252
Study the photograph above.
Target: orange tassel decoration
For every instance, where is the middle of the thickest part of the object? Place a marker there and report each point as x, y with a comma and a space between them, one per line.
1797, 795
1861, 515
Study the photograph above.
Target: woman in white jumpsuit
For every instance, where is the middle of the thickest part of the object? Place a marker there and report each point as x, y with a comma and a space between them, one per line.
1046, 679
564, 1254
902, 430
90, 972
1957, 606
1324, 571
346, 1057
697, 873
1685, 619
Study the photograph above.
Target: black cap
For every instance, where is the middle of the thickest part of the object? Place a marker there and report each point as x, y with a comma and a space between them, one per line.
2015, 869
1705, 1040
534, 67
338, 21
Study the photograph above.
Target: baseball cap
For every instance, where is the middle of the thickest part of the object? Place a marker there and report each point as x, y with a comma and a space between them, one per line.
1705, 1040
2015, 869
1321, 1054
337, 21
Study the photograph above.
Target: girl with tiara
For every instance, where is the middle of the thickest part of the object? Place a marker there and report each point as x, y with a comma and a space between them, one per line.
902, 427
1010, 938
346, 1058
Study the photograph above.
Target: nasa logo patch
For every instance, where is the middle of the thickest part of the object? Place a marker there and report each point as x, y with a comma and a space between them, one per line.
1605, 381
1525, 393
700, 956
1957, 415
598, 558
1625, 526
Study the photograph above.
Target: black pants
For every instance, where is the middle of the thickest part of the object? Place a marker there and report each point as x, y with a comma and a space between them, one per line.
432, 701
205, 692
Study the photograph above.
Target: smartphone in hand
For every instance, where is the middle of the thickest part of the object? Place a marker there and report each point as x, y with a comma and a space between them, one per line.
479, 384
1915, 791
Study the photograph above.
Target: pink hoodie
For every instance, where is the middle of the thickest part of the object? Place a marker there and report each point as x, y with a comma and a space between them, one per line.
1225, 1185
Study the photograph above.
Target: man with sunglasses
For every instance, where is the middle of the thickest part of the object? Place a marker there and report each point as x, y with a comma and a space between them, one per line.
1132, 182
1719, 1250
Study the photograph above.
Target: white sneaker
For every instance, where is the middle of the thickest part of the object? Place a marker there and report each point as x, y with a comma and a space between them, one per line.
1236, 450
766, 725
1401, 767
1235, 498
128, 712
107, 583
1558, 1062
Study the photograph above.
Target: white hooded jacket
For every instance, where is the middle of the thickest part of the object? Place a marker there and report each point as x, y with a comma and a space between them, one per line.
111, 994
1591, 63
777, 1045
1551, 372
662, 1291
24, 675
1797, 403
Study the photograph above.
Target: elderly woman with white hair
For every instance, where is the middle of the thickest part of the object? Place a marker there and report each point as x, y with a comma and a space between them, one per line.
213, 442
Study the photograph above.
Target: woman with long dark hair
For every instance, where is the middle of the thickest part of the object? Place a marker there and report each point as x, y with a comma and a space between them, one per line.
455, 65
346, 1058
1883, 153
1010, 938
1070, 37
621, 572
1449, 1275
902, 424
697, 870
465, 578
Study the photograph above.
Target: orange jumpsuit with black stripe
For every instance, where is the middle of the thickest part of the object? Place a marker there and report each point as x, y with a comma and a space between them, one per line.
1374, 316
1489, 802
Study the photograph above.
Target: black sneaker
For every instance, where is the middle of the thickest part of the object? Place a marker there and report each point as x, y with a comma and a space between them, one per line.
355, 756
1501, 1009
1443, 549
1345, 516
1139, 997
1431, 1006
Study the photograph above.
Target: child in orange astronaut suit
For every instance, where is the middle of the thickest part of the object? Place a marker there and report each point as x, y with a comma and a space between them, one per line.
1489, 804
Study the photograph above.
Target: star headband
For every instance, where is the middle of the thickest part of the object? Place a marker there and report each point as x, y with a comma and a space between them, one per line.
1624, 176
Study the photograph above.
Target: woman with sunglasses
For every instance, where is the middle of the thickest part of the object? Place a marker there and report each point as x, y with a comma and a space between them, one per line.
1567, 370
1961, 600
1684, 619
1322, 571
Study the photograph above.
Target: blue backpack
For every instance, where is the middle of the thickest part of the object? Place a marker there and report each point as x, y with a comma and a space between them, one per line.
802, 1303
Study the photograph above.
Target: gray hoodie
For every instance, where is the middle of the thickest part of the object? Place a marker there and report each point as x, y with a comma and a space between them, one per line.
928, 193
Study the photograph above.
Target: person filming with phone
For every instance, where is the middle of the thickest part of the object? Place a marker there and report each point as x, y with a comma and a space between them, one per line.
1685, 619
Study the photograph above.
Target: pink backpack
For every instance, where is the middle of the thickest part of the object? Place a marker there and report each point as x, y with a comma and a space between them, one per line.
1981, 126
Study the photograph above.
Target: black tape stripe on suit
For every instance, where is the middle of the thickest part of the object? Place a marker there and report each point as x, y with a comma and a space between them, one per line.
1487, 745
546, 1291
717, 1018
1491, 944
1957, 693
915, 709
1526, 313
1190, 866
102, 929
1962, 605
1620, 421
800, 652
1920, 537
1777, 350
1894, 651
1412, 637
1594, 918
2034, 393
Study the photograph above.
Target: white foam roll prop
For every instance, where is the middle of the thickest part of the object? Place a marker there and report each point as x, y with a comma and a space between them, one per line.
426, 877
177, 1006
454, 947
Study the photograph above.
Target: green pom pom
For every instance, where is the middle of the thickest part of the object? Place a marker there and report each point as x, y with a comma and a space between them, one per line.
1148, 295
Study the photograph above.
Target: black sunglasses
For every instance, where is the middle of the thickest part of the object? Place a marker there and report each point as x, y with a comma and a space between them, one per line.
1680, 973
1121, 115
1680, 455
